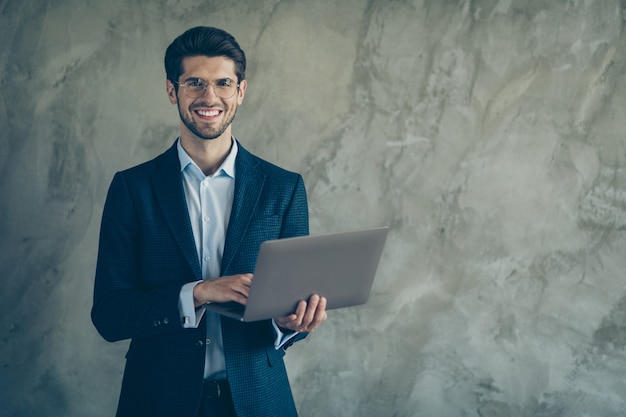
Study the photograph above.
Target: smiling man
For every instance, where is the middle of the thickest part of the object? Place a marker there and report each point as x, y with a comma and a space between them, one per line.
183, 230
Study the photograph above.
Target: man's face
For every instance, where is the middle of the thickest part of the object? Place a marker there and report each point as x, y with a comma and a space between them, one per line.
208, 116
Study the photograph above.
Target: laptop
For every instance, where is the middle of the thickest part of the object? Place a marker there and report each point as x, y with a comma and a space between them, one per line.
338, 266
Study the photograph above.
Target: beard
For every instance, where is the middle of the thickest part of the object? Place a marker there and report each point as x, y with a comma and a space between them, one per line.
207, 133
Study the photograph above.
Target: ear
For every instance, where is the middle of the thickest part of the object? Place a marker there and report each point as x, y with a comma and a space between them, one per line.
171, 92
242, 92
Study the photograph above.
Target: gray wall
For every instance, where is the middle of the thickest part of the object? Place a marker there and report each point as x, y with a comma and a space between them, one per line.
489, 135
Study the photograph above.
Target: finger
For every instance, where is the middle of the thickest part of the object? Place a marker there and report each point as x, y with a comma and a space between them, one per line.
294, 320
287, 322
320, 313
247, 279
239, 297
242, 289
300, 312
239, 287
309, 314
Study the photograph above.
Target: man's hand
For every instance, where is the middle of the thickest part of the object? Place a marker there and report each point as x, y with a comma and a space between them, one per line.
222, 290
308, 316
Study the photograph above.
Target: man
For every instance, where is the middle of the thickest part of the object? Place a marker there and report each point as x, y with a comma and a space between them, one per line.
184, 230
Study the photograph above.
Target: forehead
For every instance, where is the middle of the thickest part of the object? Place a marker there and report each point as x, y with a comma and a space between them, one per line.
208, 67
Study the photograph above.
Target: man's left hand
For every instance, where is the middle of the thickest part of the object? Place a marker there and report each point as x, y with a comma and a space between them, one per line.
307, 317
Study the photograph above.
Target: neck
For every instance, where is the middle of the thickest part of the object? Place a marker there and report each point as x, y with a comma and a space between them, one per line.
207, 154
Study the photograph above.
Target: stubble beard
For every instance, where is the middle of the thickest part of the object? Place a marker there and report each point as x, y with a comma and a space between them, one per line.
206, 134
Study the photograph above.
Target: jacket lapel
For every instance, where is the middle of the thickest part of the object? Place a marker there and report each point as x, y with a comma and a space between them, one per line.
249, 182
168, 187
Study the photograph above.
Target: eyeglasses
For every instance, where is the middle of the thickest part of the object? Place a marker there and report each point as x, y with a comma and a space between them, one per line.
196, 87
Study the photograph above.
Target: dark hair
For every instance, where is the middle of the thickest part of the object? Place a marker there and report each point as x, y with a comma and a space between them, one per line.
203, 41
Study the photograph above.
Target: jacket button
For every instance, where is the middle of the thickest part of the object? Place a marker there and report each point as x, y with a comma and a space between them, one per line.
166, 321
156, 323
200, 343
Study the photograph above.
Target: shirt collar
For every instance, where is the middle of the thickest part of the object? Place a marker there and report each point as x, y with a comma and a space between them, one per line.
227, 167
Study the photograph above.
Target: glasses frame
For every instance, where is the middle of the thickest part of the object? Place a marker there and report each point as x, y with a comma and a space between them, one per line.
206, 87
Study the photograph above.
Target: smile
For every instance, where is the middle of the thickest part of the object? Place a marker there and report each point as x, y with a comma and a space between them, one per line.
208, 113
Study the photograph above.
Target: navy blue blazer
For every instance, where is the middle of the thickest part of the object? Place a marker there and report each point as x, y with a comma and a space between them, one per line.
147, 252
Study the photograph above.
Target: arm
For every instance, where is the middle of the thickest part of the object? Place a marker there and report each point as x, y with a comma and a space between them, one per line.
296, 216
308, 315
126, 304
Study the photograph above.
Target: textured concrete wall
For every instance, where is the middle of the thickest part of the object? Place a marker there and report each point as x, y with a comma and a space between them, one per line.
489, 134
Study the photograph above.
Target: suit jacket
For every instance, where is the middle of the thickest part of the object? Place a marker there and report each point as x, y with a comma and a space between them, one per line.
147, 252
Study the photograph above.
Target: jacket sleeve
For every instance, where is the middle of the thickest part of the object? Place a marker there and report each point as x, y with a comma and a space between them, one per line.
296, 217
124, 305
296, 223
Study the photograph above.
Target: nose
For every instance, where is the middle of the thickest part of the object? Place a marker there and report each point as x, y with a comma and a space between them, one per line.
210, 92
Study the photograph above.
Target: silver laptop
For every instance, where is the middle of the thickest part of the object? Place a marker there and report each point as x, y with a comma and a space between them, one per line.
338, 266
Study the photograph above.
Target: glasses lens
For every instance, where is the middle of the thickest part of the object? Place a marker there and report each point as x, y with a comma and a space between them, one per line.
195, 89
223, 89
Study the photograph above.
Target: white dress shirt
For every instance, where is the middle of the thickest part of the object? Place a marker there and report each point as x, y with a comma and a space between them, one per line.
209, 201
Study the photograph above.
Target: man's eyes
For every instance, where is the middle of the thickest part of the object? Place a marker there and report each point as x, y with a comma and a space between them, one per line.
224, 83
200, 83
196, 83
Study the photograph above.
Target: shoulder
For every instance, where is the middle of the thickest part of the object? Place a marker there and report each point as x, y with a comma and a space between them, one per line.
168, 160
247, 160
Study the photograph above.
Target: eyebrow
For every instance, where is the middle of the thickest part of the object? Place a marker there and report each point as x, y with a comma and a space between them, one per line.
200, 78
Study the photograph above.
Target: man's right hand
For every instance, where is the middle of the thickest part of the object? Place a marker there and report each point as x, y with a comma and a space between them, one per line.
224, 289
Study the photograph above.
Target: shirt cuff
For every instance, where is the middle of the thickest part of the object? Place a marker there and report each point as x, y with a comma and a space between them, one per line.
189, 316
281, 338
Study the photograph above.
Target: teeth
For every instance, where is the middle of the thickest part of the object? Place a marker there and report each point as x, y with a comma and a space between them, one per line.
208, 113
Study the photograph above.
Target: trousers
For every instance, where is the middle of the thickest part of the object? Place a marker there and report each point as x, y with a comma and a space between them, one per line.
217, 400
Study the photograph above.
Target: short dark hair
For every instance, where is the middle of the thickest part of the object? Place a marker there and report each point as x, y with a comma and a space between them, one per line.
203, 41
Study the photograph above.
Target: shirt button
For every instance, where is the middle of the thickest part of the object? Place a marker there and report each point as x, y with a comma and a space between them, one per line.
207, 258
207, 219
208, 341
